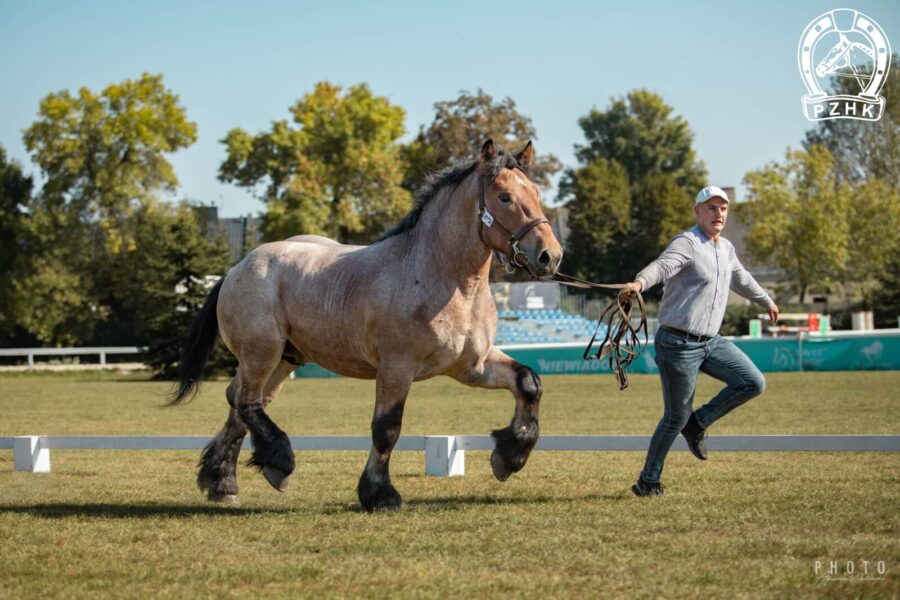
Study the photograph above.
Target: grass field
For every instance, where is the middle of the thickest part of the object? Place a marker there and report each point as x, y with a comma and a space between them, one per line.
132, 524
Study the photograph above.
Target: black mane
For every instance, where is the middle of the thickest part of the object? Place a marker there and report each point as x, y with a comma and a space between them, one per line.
452, 176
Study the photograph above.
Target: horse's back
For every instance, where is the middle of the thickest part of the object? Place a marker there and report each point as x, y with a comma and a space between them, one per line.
318, 239
306, 289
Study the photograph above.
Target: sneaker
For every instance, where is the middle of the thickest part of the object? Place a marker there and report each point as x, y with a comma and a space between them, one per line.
645, 488
696, 437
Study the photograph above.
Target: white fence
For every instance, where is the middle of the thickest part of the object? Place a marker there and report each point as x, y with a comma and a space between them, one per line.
444, 454
103, 352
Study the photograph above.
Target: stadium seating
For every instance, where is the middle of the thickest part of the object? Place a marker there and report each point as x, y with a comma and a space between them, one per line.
543, 327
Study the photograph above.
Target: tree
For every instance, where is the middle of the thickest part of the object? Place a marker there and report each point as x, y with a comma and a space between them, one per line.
633, 192
874, 240
799, 211
337, 172
103, 154
640, 132
864, 150
599, 210
185, 263
103, 160
465, 123
15, 196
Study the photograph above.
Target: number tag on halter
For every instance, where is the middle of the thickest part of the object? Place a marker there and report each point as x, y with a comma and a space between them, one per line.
487, 218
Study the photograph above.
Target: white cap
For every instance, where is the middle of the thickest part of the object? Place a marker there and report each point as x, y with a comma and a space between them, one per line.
711, 192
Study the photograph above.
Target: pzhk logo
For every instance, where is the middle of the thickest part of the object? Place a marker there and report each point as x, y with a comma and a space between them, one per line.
844, 43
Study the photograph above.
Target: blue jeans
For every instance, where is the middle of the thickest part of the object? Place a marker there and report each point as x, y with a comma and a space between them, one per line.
680, 360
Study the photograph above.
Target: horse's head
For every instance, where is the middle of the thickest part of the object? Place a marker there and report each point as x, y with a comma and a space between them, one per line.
512, 220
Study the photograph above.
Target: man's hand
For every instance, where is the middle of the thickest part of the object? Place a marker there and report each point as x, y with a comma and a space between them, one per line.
632, 288
773, 314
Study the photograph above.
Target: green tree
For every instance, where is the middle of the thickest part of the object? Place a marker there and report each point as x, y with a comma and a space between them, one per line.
874, 240
800, 218
640, 132
103, 159
463, 124
102, 154
632, 192
599, 211
185, 263
864, 150
337, 172
15, 197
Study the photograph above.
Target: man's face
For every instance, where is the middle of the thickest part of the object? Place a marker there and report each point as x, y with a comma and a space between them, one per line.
711, 216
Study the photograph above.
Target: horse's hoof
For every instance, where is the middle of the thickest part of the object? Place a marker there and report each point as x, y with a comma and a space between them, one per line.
390, 500
498, 466
382, 497
276, 478
229, 499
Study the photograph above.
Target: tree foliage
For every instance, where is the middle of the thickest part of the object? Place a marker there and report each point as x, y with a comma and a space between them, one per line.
101, 252
336, 171
15, 196
797, 210
830, 214
465, 123
864, 150
632, 192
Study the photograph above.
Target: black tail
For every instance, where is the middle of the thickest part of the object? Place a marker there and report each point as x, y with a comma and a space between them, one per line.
197, 349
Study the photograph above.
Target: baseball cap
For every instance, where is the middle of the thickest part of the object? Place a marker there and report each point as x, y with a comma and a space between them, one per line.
711, 192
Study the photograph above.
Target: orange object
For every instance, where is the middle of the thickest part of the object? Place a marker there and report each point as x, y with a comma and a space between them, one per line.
813, 321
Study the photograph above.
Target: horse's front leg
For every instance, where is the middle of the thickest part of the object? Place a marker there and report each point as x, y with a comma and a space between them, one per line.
375, 489
515, 441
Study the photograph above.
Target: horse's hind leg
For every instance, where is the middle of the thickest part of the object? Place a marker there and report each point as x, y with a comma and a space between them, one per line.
515, 441
218, 465
272, 452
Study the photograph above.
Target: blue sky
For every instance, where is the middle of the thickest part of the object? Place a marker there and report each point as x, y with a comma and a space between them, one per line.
730, 68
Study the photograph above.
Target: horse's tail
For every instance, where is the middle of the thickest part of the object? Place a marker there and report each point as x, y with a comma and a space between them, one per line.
197, 349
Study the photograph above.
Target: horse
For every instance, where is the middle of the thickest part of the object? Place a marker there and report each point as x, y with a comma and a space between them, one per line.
413, 305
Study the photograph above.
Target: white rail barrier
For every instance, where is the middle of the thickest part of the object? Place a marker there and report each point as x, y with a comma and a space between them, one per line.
444, 454
103, 352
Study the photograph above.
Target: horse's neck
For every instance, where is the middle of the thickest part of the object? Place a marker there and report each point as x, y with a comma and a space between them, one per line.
448, 238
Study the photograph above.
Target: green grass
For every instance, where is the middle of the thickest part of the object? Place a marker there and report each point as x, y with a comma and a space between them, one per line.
132, 524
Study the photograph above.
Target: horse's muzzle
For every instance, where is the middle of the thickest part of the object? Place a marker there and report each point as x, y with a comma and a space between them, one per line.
547, 262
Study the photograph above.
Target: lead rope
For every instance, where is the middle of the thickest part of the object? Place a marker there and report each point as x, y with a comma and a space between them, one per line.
622, 343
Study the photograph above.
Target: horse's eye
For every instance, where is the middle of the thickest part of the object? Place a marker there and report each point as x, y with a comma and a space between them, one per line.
504, 198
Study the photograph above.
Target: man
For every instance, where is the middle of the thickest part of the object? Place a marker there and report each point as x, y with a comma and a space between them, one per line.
699, 267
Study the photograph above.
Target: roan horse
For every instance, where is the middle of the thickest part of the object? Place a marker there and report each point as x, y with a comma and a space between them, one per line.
413, 305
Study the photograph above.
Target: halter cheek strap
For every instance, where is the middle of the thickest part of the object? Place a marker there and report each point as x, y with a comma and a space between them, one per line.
516, 257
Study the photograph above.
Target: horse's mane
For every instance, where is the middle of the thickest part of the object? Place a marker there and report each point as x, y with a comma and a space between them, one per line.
452, 176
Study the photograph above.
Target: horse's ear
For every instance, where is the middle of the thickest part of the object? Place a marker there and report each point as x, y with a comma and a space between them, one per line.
526, 155
487, 150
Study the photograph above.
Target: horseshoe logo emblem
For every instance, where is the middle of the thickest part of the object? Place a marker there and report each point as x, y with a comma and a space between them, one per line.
844, 43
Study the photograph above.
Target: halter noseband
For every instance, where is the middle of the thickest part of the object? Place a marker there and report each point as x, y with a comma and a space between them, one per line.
515, 258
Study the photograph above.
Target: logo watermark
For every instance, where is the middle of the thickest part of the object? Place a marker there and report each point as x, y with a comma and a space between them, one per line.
844, 43
850, 570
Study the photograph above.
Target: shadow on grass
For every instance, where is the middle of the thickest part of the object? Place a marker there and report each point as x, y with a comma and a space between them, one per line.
176, 511
135, 511
455, 503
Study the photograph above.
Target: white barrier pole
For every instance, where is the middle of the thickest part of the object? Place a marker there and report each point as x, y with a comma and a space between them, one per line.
29, 456
444, 457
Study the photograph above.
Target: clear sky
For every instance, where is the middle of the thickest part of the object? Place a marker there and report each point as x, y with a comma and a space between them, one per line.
730, 68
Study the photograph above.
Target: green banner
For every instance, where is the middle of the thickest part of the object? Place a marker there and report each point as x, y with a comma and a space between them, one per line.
859, 352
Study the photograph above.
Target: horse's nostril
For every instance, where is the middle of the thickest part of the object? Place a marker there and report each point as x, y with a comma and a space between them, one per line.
544, 258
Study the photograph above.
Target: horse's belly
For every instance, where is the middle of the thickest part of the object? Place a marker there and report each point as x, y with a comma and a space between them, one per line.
346, 366
334, 348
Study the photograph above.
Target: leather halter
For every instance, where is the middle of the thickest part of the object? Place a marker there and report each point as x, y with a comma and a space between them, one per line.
515, 258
